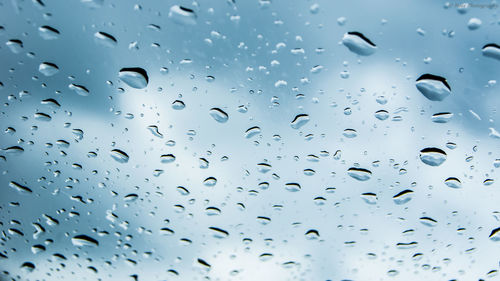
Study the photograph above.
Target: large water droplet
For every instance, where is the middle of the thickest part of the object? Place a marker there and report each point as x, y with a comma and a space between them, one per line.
359, 173
252, 132
442, 117
105, 39
434, 88
491, 51
48, 68
119, 155
453, 182
495, 234
84, 240
357, 43
403, 197
182, 15
432, 156
79, 89
15, 46
299, 121
20, 188
48, 32
219, 115
135, 77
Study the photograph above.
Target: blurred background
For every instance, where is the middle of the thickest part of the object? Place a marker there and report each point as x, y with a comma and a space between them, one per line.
251, 144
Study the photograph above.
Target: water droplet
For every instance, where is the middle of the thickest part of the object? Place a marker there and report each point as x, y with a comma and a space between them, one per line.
84, 240
491, 51
403, 197
28, 267
15, 46
182, 15
382, 115
350, 133
135, 77
16, 150
453, 182
434, 88
218, 232
48, 32
52, 103
369, 198
292, 186
427, 221
155, 131
442, 117
105, 39
312, 234
252, 132
20, 188
432, 156
495, 234
218, 115
48, 68
474, 23
119, 155
299, 121
178, 105
167, 158
359, 174
42, 117
210, 181
79, 89
357, 43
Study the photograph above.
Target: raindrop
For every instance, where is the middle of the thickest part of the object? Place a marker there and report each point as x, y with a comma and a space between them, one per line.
105, 39
119, 155
292, 187
167, 158
382, 115
218, 232
48, 32
403, 197
20, 188
299, 121
369, 198
434, 88
453, 182
218, 115
15, 45
495, 234
474, 23
155, 131
79, 89
48, 68
252, 132
42, 117
442, 117
135, 77
182, 15
489, 50
84, 240
427, 221
359, 174
358, 43
432, 156
178, 105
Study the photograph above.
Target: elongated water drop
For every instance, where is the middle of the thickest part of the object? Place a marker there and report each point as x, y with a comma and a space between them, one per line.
218, 115
119, 155
135, 77
357, 43
433, 87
